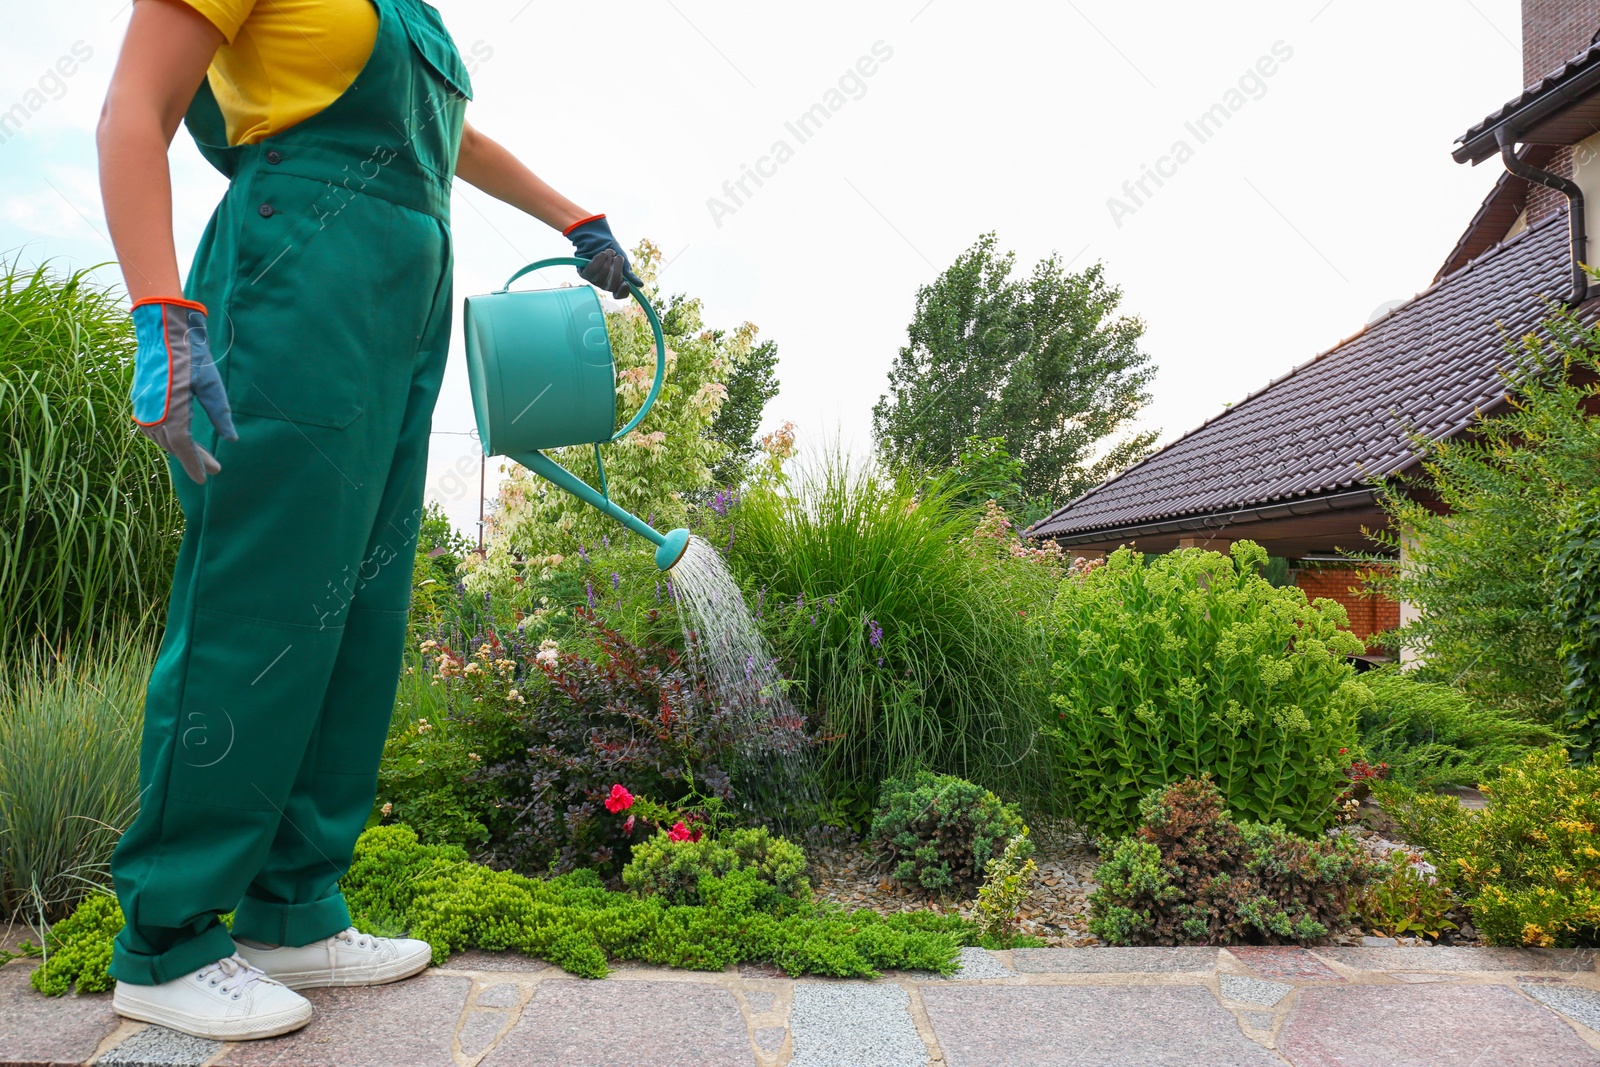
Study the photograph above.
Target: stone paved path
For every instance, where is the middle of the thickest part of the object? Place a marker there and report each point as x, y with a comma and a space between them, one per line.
1335, 1007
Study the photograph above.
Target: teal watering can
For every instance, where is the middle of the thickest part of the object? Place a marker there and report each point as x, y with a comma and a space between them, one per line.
543, 376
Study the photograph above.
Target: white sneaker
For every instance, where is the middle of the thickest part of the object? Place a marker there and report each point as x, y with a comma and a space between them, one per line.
345, 959
225, 1001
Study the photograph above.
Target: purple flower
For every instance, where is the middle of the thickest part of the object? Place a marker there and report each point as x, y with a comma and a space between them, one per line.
616, 580
588, 588
605, 539
658, 592
800, 602
584, 553
874, 634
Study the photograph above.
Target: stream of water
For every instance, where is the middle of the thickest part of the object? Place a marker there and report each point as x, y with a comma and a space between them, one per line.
776, 764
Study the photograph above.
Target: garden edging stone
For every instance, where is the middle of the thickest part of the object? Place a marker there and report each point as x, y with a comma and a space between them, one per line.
1083, 1007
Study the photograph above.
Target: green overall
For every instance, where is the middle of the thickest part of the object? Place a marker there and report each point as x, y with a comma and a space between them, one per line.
326, 272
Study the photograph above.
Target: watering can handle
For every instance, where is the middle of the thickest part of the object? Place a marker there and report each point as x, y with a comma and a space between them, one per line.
649, 313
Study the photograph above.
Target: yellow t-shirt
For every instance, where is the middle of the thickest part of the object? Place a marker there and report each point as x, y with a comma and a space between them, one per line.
285, 60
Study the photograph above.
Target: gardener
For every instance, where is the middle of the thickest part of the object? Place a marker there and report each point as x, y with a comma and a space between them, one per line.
292, 380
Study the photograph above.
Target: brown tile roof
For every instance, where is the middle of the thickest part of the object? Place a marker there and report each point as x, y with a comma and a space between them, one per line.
1340, 420
1550, 111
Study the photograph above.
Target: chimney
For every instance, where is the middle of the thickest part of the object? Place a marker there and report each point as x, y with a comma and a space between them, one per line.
1553, 31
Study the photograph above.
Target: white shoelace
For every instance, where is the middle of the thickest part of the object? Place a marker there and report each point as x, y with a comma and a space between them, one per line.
233, 975
355, 937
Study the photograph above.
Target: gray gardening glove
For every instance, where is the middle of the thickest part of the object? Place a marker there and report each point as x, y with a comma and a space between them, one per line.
172, 368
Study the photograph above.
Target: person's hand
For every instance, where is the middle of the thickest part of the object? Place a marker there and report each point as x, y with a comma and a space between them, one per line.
608, 263
172, 368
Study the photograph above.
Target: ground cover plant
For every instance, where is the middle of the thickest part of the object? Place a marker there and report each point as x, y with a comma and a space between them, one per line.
1486, 514
1192, 664
1193, 876
937, 833
70, 716
1431, 734
399, 886
89, 527
911, 642
1528, 865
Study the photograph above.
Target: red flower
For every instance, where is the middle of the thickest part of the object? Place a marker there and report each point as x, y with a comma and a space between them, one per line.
680, 832
627, 826
619, 800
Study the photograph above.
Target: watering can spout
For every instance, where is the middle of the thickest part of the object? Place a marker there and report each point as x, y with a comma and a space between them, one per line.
670, 546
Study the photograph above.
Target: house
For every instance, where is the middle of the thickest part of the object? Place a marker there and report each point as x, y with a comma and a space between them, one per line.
1292, 465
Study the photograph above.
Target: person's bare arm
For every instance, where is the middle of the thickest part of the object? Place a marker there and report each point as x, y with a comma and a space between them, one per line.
486, 163
165, 54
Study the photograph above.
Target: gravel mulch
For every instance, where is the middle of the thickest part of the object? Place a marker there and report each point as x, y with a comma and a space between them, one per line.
847, 873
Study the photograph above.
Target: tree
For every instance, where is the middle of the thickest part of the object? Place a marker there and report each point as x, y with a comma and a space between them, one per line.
1044, 363
754, 381
1486, 519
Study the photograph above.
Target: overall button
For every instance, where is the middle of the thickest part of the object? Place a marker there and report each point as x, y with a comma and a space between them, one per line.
274, 156
265, 211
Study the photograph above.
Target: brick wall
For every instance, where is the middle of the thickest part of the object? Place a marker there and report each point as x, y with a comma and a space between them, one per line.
1542, 200
1553, 31
1368, 614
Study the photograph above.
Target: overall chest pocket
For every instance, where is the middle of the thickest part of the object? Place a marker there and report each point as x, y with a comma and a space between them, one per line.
295, 334
427, 32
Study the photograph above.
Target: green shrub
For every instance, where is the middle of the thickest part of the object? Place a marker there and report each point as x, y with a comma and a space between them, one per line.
1528, 865
89, 525
77, 950
70, 719
1431, 734
672, 870
1007, 881
911, 642
1484, 517
938, 831
1193, 876
1193, 664
1573, 570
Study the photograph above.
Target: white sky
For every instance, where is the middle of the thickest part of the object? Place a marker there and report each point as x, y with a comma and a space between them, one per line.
1329, 194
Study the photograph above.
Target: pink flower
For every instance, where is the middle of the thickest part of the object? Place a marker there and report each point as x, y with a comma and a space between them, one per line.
627, 826
619, 800
679, 832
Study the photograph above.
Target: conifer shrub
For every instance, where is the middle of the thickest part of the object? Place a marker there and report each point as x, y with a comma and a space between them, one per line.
1432, 734
937, 831
672, 869
1191, 875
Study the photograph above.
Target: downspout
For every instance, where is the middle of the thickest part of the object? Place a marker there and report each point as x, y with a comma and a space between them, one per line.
1575, 209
